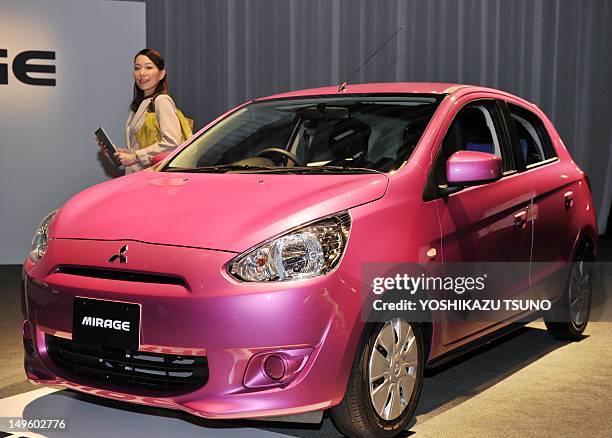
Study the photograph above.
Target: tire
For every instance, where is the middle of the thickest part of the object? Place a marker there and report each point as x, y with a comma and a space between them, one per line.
569, 316
393, 350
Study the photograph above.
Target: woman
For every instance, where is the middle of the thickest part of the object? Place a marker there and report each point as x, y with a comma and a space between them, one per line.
150, 95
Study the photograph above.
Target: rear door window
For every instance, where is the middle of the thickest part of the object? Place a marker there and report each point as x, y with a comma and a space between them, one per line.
533, 141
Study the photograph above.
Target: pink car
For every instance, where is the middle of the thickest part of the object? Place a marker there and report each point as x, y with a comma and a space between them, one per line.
228, 282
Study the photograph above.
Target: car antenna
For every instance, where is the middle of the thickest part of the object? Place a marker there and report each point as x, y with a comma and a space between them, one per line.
342, 86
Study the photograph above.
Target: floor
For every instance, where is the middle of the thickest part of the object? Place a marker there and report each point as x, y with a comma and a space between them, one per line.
525, 384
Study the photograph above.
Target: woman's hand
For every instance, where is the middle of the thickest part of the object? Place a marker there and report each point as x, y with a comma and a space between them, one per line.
123, 151
125, 158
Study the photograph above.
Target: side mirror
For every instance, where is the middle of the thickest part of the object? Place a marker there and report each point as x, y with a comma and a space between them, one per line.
471, 168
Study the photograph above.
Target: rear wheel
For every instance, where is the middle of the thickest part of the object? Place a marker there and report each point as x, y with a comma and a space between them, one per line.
385, 382
569, 316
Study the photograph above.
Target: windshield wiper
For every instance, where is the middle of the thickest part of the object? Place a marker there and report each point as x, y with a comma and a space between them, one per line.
222, 168
335, 169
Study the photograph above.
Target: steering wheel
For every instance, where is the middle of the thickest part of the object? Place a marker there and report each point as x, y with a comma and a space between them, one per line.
290, 155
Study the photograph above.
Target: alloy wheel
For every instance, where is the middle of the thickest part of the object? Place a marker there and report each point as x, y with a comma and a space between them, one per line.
579, 293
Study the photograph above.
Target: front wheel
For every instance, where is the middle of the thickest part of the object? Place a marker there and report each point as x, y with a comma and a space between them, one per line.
385, 382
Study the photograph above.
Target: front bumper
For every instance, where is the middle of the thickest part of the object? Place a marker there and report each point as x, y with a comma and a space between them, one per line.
209, 314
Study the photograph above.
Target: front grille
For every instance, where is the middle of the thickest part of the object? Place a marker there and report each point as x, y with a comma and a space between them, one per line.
166, 373
115, 274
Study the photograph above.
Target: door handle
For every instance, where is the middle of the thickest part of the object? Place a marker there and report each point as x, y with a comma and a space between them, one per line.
520, 220
569, 199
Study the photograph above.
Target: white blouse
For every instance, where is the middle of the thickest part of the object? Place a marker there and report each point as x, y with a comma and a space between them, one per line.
169, 127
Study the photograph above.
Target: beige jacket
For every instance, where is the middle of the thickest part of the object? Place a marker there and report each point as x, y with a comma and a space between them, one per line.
169, 126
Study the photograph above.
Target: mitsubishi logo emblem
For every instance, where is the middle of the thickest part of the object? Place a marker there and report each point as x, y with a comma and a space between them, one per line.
121, 256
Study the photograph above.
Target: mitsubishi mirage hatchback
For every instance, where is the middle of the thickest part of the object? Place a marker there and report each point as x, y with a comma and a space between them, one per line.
229, 282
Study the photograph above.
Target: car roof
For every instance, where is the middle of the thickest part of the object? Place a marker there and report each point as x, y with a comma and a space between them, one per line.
383, 88
440, 88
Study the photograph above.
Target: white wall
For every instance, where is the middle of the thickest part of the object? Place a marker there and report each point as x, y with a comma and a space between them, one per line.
47, 152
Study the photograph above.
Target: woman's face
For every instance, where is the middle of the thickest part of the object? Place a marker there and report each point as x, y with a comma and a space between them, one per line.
146, 74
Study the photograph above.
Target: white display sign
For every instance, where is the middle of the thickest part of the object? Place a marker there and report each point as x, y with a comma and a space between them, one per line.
65, 68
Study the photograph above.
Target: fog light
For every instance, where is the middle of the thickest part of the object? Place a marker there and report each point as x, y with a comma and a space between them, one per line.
274, 367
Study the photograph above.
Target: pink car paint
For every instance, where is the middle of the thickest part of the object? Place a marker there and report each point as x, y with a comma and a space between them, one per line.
186, 228
468, 167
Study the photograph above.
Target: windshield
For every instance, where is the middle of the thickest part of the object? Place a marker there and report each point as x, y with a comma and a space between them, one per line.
323, 134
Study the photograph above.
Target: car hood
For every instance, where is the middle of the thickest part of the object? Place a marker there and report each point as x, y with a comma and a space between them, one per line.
230, 212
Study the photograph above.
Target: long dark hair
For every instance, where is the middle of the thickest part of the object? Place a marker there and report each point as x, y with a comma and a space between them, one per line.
162, 86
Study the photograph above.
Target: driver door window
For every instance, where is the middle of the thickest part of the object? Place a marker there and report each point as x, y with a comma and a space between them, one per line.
475, 128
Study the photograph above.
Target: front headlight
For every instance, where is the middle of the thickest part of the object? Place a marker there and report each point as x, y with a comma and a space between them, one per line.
309, 251
39, 242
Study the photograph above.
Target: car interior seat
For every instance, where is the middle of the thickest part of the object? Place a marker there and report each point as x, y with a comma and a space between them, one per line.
341, 141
